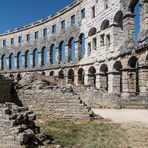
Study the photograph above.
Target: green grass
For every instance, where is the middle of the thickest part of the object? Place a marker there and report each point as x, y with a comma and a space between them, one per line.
97, 134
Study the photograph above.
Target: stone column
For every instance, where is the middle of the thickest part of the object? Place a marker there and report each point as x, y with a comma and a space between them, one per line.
39, 59
66, 54
86, 78
48, 57
143, 80
128, 27
77, 51
57, 56
144, 15
102, 81
114, 82
31, 60
15, 62
23, 61
76, 78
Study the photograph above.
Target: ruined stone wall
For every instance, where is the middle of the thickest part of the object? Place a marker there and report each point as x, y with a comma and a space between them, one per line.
110, 48
52, 102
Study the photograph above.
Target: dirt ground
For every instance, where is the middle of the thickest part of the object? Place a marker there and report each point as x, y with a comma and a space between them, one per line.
133, 122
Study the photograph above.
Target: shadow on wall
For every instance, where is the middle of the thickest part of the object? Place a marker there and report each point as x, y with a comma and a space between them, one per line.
14, 96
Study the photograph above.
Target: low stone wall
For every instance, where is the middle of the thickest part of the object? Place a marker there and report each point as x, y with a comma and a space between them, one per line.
95, 98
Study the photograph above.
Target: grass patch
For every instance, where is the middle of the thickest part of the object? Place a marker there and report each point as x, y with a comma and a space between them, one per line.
96, 134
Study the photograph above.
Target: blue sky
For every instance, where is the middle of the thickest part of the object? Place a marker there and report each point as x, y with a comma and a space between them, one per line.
17, 13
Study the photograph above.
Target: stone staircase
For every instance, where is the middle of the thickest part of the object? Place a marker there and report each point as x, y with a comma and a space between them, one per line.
54, 102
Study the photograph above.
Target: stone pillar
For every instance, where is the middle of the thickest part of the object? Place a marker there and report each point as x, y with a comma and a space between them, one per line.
114, 82
23, 61
57, 56
76, 78
66, 54
143, 80
102, 81
144, 15
77, 51
128, 27
86, 78
48, 57
129, 82
125, 90
15, 62
39, 59
143, 19
31, 60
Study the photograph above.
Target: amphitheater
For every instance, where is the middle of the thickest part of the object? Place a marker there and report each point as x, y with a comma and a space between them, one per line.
89, 42
84, 56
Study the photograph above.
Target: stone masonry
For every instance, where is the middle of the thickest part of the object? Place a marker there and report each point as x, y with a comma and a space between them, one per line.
90, 42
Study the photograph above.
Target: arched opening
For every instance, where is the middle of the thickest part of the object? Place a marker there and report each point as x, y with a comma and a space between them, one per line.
52, 54
104, 77
146, 60
134, 75
19, 60
92, 76
52, 74
43, 56
27, 59
71, 50
81, 50
104, 25
4, 62
11, 61
117, 79
61, 74
135, 9
62, 52
35, 57
92, 31
71, 76
81, 74
118, 19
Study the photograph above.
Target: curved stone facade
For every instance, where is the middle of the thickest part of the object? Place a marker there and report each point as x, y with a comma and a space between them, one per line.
89, 42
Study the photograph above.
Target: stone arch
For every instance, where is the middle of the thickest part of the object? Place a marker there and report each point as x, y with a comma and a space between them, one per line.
117, 77
71, 76
118, 19
133, 74
52, 73
61, 74
132, 5
4, 62
71, 50
35, 57
146, 60
92, 31
44, 56
19, 60
81, 50
27, 59
104, 25
53, 54
117, 66
62, 52
104, 77
92, 76
11, 61
81, 74
133, 62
